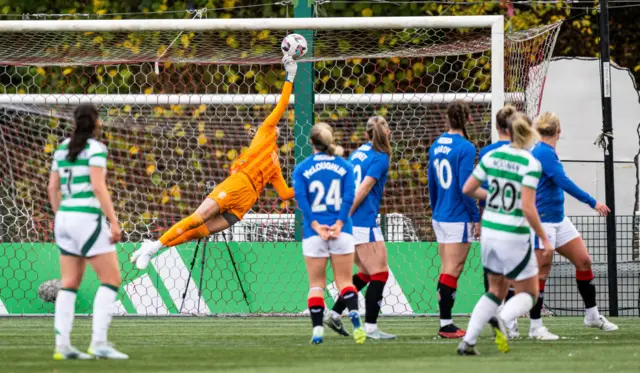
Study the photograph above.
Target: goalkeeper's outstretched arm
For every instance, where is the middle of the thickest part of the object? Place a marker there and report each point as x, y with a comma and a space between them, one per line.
269, 124
283, 190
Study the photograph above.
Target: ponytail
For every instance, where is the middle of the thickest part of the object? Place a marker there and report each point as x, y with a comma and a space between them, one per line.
378, 132
503, 116
458, 114
322, 139
523, 135
85, 118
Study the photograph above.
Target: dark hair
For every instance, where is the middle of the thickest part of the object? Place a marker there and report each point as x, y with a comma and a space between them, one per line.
503, 116
377, 128
85, 120
458, 113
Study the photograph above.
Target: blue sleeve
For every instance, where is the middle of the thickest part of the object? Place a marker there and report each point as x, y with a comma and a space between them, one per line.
467, 159
485, 185
300, 191
378, 167
433, 184
553, 168
348, 193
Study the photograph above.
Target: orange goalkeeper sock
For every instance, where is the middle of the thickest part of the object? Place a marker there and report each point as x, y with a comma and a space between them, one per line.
194, 234
183, 226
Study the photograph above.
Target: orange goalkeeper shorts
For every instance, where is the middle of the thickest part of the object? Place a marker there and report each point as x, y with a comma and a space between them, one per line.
235, 195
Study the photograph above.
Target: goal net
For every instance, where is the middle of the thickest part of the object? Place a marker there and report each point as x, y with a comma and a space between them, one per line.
178, 99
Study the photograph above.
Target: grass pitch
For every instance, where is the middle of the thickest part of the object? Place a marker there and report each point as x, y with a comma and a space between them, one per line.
282, 345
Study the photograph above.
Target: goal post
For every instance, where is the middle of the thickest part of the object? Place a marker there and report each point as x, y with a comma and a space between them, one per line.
178, 99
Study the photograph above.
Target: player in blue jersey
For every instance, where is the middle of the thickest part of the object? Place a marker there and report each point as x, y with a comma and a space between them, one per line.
324, 187
562, 235
456, 217
371, 166
502, 125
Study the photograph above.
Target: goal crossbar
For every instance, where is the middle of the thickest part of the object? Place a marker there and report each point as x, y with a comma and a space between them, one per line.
330, 23
249, 99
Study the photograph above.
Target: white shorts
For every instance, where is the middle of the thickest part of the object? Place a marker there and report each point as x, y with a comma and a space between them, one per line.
366, 235
513, 259
559, 234
316, 247
452, 232
84, 235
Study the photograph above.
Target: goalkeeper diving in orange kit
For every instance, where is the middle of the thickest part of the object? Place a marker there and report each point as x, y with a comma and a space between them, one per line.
227, 204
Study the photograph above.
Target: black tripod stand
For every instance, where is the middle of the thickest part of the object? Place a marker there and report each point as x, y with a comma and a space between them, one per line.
202, 261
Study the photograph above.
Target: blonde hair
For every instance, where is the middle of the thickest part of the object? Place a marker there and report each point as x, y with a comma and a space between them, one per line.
548, 124
503, 116
377, 128
523, 135
322, 139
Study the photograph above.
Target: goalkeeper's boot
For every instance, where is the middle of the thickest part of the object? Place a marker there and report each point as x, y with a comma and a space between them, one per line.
451, 332
601, 323
359, 335
336, 325
69, 353
106, 351
143, 255
501, 335
376, 333
465, 349
318, 335
512, 330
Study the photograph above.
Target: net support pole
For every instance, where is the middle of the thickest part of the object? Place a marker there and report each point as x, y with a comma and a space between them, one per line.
303, 107
607, 131
497, 73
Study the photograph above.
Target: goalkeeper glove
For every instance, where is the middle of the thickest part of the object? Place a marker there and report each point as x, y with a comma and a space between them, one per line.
291, 67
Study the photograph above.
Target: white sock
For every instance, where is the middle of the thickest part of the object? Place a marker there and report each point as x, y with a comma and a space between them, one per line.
370, 327
517, 306
536, 323
335, 315
444, 322
484, 310
105, 296
65, 312
592, 313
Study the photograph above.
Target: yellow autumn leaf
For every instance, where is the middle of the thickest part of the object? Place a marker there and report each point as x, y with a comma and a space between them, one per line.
127, 108
134, 150
148, 91
40, 71
219, 134
202, 139
367, 12
113, 72
219, 153
67, 71
247, 126
151, 168
201, 126
98, 40
48, 148
165, 199
232, 154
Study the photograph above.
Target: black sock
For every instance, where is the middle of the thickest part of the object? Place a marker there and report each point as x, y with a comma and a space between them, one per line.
446, 296
588, 292
316, 310
536, 311
510, 294
373, 298
486, 281
350, 298
359, 281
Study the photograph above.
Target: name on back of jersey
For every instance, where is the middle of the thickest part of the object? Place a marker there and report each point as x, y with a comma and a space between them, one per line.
505, 165
329, 166
441, 149
359, 155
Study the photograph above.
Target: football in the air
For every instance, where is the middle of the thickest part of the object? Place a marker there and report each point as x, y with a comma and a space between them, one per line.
294, 45
48, 290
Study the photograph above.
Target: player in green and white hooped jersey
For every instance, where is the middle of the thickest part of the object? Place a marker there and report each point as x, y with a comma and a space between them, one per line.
80, 199
512, 174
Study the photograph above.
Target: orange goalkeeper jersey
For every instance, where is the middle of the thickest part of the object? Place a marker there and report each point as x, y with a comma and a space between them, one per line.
261, 162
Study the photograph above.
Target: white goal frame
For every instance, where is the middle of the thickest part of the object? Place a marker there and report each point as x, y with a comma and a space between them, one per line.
496, 23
